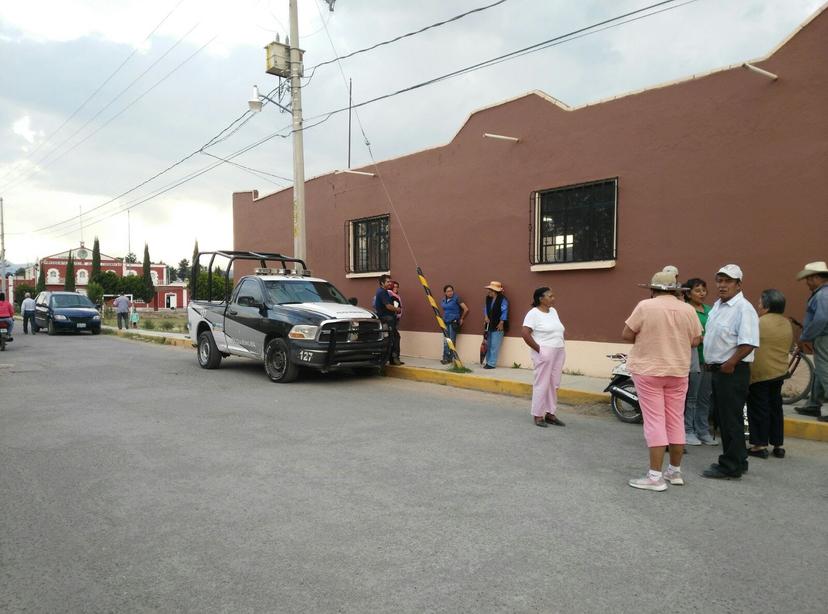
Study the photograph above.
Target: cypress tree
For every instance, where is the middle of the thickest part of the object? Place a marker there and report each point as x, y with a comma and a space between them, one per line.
69, 282
149, 288
96, 260
41, 279
195, 266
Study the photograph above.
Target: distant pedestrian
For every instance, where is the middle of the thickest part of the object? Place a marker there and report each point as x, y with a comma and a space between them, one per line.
662, 330
767, 373
814, 337
28, 309
496, 319
699, 385
121, 304
7, 314
732, 336
543, 332
133, 316
454, 313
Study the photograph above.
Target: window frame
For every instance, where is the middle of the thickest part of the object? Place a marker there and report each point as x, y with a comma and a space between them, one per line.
352, 270
539, 264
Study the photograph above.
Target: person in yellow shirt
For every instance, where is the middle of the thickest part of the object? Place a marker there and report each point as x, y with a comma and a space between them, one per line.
770, 365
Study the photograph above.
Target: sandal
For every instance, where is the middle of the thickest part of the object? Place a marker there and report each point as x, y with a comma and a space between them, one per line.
553, 419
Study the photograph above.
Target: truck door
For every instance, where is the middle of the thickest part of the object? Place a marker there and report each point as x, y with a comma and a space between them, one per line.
244, 321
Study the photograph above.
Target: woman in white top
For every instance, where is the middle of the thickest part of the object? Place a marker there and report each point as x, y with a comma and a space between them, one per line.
544, 333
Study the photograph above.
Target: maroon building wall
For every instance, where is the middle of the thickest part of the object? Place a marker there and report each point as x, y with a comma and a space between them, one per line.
727, 167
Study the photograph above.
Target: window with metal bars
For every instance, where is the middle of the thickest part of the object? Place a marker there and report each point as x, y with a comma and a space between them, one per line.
575, 223
370, 242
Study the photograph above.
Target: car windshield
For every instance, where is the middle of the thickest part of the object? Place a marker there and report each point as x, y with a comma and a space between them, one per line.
71, 300
303, 291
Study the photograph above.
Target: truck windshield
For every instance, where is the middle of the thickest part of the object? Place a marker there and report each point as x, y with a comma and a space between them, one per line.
302, 291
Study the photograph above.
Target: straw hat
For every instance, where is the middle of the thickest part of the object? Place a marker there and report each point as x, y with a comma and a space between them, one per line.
812, 268
663, 281
496, 286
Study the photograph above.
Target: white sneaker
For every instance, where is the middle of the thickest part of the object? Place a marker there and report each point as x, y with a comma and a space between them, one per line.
673, 477
692, 440
647, 483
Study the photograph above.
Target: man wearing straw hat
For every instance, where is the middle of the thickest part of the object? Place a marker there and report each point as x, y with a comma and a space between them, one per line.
495, 316
814, 337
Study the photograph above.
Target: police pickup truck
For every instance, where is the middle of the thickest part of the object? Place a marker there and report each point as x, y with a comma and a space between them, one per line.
282, 317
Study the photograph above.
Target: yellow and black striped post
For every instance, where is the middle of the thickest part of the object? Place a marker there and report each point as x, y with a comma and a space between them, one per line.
424, 282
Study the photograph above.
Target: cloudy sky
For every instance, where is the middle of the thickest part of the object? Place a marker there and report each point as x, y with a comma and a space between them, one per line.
97, 98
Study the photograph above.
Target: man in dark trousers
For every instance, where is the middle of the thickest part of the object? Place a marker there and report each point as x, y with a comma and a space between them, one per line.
387, 312
814, 338
731, 335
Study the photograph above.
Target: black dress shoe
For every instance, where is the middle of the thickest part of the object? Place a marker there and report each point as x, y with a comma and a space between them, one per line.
808, 410
763, 453
715, 472
488, 367
823, 418
553, 419
779, 452
540, 422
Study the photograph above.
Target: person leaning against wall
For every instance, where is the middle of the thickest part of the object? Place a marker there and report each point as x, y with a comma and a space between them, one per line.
454, 313
496, 319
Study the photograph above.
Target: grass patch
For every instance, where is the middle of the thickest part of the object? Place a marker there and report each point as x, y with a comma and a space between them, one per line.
573, 372
457, 369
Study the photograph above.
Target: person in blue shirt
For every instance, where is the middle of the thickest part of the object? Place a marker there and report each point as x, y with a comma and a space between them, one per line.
454, 312
387, 312
814, 337
496, 318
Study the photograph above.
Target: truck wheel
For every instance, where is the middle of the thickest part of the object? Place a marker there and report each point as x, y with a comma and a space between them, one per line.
208, 354
277, 362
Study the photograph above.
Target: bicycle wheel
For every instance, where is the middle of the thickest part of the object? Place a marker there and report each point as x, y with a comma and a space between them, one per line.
798, 385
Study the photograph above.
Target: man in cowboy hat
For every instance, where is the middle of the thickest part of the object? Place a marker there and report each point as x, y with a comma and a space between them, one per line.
495, 316
731, 335
814, 337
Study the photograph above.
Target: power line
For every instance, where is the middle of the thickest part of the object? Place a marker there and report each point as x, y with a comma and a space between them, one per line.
326, 116
100, 87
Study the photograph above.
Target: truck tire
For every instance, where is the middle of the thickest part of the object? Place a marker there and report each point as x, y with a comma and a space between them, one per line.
278, 365
208, 354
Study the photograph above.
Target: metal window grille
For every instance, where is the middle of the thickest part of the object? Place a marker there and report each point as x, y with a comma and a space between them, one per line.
370, 244
574, 223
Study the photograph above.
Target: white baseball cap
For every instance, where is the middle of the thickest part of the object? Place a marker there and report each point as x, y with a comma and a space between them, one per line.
731, 270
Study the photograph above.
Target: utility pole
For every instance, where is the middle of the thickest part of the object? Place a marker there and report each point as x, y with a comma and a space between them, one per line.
350, 108
2, 249
299, 240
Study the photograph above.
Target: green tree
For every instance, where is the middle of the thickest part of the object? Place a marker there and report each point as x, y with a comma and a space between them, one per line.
20, 293
69, 282
133, 285
41, 280
109, 281
96, 259
196, 264
172, 273
149, 288
184, 269
20, 272
130, 258
221, 286
95, 292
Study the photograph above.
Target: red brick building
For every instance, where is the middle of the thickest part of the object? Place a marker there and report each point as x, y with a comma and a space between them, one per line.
169, 295
728, 166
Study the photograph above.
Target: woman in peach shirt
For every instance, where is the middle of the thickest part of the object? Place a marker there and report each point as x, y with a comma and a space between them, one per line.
662, 330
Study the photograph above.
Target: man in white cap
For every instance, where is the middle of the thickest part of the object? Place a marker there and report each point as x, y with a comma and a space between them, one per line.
814, 337
731, 335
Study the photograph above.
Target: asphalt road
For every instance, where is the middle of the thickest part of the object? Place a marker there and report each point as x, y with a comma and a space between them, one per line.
131, 480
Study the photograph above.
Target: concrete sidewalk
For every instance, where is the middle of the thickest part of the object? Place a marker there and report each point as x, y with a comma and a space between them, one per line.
575, 389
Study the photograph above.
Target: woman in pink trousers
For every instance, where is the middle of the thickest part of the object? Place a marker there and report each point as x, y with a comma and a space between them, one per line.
662, 330
544, 333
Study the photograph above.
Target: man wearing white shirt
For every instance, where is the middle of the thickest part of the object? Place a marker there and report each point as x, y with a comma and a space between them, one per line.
28, 309
731, 335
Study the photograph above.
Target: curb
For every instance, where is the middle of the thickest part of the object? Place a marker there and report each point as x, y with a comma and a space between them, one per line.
490, 384
157, 339
798, 428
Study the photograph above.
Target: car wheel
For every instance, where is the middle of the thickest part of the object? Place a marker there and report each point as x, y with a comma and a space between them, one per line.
208, 354
277, 362
96, 331
50, 327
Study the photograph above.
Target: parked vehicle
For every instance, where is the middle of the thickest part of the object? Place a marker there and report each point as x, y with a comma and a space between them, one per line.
623, 397
4, 336
283, 318
65, 312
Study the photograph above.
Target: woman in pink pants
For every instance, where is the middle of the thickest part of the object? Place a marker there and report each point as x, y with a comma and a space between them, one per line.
543, 332
662, 330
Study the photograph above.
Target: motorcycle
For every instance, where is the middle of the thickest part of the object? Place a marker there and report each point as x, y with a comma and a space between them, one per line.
4, 336
623, 397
